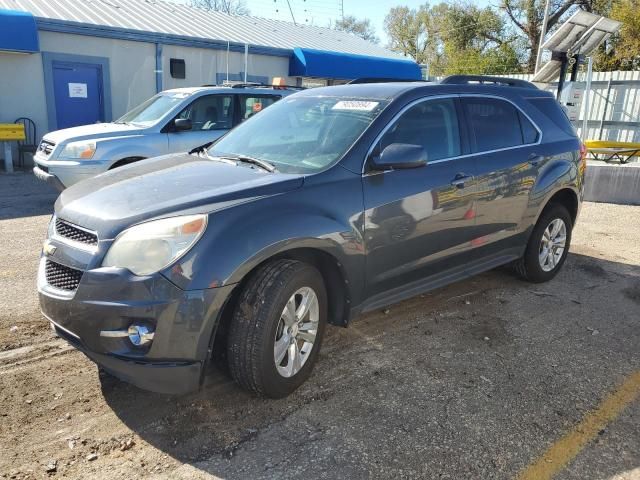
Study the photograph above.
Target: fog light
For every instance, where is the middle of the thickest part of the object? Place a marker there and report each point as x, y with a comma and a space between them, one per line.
140, 335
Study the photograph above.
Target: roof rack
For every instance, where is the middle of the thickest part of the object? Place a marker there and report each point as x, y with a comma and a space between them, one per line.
380, 80
485, 80
252, 85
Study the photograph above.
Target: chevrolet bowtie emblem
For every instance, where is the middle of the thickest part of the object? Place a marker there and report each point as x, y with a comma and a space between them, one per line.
49, 249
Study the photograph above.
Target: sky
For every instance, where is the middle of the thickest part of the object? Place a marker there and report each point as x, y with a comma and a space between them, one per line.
322, 12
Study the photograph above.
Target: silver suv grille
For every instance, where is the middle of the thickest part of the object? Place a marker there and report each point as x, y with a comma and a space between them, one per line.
46, 147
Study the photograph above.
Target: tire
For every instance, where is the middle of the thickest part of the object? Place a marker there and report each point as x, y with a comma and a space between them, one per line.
259, 324
531, 267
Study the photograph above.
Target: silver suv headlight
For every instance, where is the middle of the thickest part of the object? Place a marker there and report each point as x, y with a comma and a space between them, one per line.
78, 150
153, 246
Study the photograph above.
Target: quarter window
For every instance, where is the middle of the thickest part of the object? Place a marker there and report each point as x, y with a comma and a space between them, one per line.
210, 112
432, 124
529, 132
497, 124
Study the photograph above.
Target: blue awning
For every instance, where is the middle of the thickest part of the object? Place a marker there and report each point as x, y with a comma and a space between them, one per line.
306, 62
18, 32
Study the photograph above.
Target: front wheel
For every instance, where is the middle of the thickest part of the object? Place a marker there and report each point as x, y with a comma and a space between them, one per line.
548, 245
277, 328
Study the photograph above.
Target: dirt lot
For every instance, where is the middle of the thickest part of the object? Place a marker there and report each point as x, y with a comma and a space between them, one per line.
475, 380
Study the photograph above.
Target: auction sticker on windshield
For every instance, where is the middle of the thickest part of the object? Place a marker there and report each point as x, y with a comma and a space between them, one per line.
355, 105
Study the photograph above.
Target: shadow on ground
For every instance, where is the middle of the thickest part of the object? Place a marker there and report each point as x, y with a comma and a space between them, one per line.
473, 380
23, 195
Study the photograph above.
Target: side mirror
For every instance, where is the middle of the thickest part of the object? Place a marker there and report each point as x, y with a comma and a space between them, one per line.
182, 124
399, 156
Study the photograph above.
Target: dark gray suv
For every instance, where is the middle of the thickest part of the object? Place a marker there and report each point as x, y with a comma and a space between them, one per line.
332, 202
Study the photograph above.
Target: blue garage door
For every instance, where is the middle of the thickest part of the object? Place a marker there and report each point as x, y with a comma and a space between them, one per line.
78, 93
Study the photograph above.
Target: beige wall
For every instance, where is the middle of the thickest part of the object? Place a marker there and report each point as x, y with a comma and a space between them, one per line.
22, 89
202, 65
131, 65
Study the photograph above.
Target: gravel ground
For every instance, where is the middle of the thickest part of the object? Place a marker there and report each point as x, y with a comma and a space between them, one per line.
475, 380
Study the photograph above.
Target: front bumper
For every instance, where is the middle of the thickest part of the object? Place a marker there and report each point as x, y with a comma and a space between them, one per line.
64, 173
112, 299
48, 178
160, 377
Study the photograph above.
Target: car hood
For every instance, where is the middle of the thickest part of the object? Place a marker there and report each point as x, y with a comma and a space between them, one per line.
163, 186
89, 132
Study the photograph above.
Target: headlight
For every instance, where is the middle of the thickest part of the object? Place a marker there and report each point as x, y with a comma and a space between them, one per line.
152, 246
78, 150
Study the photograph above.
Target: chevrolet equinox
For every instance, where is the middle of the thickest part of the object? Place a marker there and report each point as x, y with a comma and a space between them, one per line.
332, 202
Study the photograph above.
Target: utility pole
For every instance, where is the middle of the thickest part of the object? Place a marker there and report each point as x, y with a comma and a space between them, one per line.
342, 9
542, 34
291, 12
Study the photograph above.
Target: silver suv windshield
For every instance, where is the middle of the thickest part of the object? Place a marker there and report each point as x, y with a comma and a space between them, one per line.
301, 134
149, 112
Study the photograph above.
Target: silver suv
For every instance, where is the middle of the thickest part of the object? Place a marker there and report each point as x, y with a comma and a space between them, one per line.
172, 121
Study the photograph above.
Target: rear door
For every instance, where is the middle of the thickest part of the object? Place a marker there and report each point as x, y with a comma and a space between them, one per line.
419, 221
505, 143
211, 117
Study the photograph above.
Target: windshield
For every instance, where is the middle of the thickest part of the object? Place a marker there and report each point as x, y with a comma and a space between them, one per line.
301, 134
149, 112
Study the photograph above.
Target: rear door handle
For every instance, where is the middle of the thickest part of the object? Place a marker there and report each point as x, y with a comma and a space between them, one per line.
460, 179
535, 159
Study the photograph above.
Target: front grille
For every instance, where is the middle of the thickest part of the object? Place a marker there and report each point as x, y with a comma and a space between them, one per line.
46, 147
76, 234
61, 276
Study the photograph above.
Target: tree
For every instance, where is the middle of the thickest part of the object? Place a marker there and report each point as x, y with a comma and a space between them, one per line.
454, 38
527, 16
408, 31
626, 45
361, 28
232, 7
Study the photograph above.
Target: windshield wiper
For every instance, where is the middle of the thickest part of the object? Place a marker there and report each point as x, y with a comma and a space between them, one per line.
201, 148
269, 167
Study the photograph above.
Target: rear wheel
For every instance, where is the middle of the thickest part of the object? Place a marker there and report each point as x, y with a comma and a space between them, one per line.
277, 328
548, 245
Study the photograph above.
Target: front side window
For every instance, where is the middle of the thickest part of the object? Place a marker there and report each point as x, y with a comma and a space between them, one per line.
494, 123
149, 112
210, 112
301, 134
432, 124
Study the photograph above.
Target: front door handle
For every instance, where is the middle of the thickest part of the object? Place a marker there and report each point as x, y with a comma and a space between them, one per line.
535, 159
460, 179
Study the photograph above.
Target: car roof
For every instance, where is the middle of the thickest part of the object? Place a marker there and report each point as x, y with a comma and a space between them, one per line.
391, 90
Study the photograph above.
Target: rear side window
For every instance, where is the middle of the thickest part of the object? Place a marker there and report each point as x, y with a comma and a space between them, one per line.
251, 104
432, 124
551, 109
495, 124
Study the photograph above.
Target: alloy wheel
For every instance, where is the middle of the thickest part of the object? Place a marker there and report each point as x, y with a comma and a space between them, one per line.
296, 332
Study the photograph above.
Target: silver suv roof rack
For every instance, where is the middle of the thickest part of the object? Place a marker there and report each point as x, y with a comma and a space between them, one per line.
253, 85
486, 80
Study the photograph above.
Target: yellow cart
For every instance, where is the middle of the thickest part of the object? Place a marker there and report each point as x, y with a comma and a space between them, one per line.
10, 132
607, 151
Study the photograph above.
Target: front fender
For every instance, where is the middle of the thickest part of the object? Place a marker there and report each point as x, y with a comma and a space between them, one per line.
241, 237
117, 148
